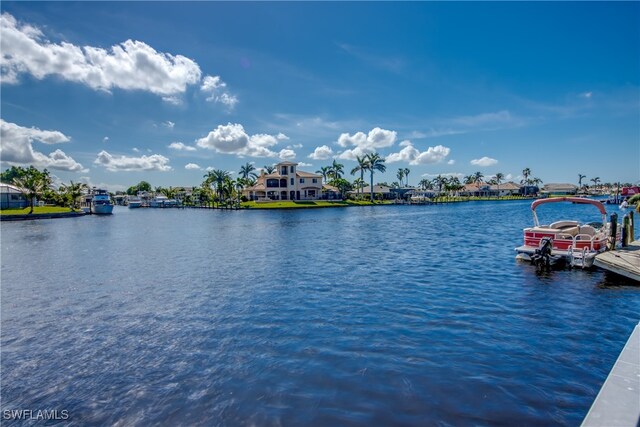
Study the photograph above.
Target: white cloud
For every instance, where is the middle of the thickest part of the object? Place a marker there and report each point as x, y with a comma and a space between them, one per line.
216, 88
136, 150
169, 124
181, 146
109, 187
287, 154
305, 165
210, 168
449, 174
282, 137
232, 139
587, 95
130, 65
451, 162
376, 138
155, 162
484, 162
105, 139
323, 152
413, 156
192, 166
16, 148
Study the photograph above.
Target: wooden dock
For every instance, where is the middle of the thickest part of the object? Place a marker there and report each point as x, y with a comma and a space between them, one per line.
618, 402
624, 261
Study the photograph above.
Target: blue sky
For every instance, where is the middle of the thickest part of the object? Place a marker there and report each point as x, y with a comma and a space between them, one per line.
115, 93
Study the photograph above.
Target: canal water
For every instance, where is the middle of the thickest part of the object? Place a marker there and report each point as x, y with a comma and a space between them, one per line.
389, 315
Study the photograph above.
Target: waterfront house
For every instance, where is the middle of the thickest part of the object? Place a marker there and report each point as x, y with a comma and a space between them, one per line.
12, 197
560, 189
329, 192
379, 192
287, 182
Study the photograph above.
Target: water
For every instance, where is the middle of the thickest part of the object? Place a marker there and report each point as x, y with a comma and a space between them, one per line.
392, 315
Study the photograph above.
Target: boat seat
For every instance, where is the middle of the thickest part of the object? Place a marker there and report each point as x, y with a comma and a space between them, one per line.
563, 233
564, 224
587, 229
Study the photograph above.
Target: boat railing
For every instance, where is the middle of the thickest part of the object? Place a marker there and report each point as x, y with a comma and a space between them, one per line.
583, 238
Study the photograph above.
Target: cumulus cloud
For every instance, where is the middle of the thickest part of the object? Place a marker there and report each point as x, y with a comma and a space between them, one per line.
305, 165
282, 137
192, 166
287, 154
155, 162
17, 148
181, 146
169, 124
365, 143
451, 162
413, 156
484, 162
130, 65
232, 139
323, 152
216, 89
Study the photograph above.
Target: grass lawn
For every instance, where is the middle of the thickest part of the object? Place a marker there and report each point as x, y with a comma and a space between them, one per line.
305, 204
38, 210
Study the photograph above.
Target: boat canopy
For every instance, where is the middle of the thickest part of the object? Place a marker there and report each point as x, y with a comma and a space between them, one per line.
581, 200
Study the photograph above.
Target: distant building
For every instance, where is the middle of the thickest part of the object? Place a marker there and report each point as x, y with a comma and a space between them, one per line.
285, 183
560, 189
12, 197
379, 191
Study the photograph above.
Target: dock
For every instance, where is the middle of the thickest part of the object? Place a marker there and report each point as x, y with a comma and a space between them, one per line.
618, 402
624, 261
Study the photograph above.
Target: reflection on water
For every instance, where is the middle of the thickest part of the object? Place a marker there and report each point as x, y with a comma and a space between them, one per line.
367, 316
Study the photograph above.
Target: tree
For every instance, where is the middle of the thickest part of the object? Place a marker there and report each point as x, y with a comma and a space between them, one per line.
580, 178
375, 163
525, 180
358, 183
33, 183
595, 181
341, 184
477, 180
247, 171
425, 184
469, 179
325, 171
72, 192
440, 181
400, 175
361, 167
406, 175
498, 179
269, 169
336, 169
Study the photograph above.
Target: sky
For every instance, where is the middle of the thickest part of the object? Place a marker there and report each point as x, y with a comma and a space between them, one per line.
113, 93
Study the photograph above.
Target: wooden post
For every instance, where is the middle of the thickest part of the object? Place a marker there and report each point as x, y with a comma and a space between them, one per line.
625, 231
632, 233
614, 230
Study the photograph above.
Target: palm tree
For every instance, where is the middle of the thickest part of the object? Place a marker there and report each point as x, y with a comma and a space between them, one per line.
358, 183
32, 185
325, 171
269, 169
468, 179
217, 177
247, 171
400, 175
425, 184
580, 178
498, 178
336, 170
595, 181
525, 180
73, 191
477, 180
440, 181
375, 163
361, 167
406, 175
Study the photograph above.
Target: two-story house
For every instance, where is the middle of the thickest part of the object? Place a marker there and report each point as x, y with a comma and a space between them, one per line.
286, 183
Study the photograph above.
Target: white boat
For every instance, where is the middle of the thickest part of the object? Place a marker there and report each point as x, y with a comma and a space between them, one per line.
161, 201
101, 203
134, 202
576, 243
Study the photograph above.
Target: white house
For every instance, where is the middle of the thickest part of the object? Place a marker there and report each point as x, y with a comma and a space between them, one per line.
286, 183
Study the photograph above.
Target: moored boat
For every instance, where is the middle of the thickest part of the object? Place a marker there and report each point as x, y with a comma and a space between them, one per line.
101, 202
567, 240
134, 202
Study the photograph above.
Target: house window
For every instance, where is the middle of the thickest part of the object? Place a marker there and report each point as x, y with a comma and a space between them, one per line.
272, 183
312, 193
283, 170
293, 181
314, 180
293, 169
301, 180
